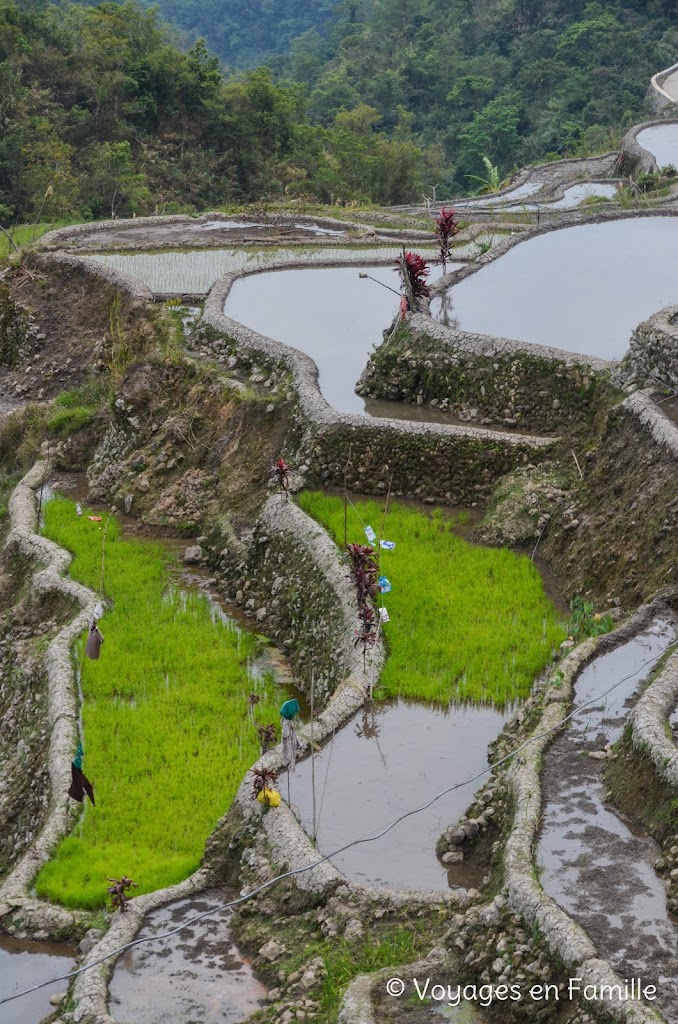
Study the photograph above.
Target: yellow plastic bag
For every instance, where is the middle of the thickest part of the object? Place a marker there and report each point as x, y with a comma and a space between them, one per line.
270, 797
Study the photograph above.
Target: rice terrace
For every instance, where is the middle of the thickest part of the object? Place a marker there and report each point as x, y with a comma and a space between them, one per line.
338, 574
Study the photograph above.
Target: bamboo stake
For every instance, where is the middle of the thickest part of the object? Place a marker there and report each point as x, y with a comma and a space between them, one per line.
44, 481
103, 555
577, 463
313, 752
348, 463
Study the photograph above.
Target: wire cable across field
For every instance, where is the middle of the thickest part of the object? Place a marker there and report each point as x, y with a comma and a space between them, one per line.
356, 842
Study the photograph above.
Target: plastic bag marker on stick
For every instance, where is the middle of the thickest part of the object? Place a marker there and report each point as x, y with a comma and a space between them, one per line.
385, 585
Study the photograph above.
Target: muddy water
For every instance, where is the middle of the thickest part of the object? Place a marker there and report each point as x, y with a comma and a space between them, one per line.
388, 759
597, 865
332, 315
662, 142
210, 232
194, 272
576, 194
508, 198
23, 964
583, 289
197, 975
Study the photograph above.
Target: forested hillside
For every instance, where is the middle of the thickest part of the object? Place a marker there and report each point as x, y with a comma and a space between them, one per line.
102, 115
513, 79
249, 34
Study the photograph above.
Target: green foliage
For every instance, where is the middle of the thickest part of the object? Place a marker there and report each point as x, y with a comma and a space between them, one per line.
102, 116
467, 623
65, 422
166, 733
585, 622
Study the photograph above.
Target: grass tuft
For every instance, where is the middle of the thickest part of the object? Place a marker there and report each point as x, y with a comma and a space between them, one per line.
467, 623
166, 733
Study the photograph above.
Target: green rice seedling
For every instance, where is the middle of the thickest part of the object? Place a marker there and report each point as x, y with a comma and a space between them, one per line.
467, 622
167, 734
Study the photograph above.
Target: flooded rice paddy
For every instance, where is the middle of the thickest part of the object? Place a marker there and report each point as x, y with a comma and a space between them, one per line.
388, 759
194, 272
24, 964
582, 289
332, 315
197, 975
662, 141
577, 194
521, 192
597, 865
521, 198
127, 234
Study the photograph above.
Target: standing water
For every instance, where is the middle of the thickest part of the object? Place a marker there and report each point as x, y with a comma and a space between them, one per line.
662, 141
388, 759
24, 964
582, 289
197, 975
596, 864
333, 315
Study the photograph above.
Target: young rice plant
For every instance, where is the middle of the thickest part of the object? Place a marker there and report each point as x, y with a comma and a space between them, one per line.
467, 622
167, 734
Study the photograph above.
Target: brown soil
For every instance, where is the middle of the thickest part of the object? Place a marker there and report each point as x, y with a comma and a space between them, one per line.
73, 310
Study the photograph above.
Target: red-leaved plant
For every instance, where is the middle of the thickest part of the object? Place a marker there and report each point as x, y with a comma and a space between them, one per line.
447, 226
281, 471
118, 891
364, 573
262, 778
413, 270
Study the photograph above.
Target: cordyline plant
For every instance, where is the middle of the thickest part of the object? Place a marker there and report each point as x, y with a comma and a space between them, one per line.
447, 226
268, 736
118, 891
413, 270
364, 573
262, 778
281, 471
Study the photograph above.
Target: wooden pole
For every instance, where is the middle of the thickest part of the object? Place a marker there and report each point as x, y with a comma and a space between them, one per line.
103, 558
313, 751
348, 463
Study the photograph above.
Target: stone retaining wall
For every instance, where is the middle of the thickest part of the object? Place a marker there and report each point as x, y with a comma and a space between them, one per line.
648, 722
653, 352
495, 380
565, 939
634, 157
657, 97
123, 282
289, 844
434, 461
26, 912
74, 235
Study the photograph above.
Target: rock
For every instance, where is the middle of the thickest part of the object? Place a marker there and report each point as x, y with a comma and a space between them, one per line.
90, 940
354, 930
567, 645
193, 555
57, 998
128, 504
261, 614
598, 755
453, 857
456, 835
272, 950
